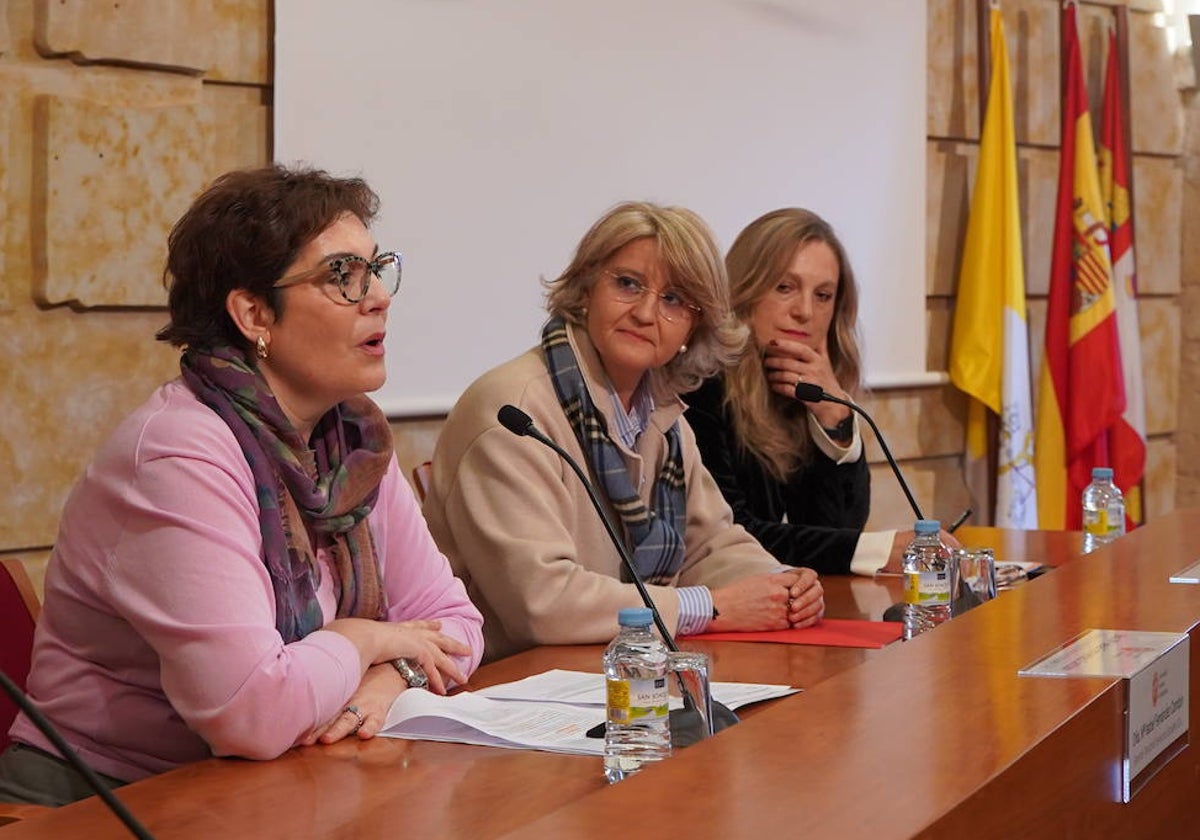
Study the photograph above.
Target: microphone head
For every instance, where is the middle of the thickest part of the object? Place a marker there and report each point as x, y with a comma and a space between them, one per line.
809, 392
514, 419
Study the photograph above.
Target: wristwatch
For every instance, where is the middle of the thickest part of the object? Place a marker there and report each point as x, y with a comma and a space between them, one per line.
843, 431
413, 673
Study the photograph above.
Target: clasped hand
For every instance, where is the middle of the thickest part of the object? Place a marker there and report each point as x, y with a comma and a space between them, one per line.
420, 641
771, 601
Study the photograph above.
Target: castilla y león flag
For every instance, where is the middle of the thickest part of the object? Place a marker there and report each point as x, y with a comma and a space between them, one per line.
1127, 438
1081, 392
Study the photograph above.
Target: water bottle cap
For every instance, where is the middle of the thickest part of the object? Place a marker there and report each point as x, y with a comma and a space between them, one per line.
1102, 473
927, 526
635, 617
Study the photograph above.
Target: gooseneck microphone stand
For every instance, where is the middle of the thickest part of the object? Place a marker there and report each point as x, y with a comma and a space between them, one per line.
685, 722
64, 749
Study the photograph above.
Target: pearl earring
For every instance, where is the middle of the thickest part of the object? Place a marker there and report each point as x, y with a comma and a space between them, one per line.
683, 348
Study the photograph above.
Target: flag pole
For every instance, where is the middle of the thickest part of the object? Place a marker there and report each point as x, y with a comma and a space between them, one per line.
1122, 13
983, 36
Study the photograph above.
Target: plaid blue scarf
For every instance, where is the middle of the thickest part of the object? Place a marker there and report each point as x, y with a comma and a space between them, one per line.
656, 534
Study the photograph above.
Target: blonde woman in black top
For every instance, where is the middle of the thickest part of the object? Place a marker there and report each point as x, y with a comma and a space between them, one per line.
794, 474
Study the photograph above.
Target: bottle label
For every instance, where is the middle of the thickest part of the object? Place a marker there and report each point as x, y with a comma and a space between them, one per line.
634, 701
1095, 522
927, 589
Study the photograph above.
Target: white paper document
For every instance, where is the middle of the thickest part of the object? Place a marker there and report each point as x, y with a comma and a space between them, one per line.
468, 718
549, 711
1189, 575
584, 689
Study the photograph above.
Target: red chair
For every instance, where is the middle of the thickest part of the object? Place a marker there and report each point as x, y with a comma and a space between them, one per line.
19, 608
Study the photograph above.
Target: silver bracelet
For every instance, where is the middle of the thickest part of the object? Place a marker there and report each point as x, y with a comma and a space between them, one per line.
412, 672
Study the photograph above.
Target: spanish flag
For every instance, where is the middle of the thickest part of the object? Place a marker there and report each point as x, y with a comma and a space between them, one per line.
1127, 438
989, 346
1080, 391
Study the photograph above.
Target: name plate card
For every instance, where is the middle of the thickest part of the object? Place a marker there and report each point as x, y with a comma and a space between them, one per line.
1189, 575
1154, 671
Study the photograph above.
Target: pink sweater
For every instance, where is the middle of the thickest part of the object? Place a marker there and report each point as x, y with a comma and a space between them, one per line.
157, 644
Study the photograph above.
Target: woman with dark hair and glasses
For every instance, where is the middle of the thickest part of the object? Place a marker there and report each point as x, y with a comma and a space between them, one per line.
243, 568
639, 316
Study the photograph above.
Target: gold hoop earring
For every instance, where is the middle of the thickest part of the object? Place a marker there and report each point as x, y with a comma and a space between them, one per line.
260, 348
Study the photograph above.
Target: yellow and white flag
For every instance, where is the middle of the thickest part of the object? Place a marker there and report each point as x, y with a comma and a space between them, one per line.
989, 348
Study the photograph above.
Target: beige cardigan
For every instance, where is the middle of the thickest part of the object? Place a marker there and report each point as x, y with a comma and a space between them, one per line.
521, 533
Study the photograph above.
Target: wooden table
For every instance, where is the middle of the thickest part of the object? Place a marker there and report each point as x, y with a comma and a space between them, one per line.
936, 737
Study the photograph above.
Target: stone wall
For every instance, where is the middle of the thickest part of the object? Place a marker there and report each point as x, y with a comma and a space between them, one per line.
113, 116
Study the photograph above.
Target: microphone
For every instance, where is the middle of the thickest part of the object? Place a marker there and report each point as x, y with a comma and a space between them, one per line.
64, 749
810, 392
686, 722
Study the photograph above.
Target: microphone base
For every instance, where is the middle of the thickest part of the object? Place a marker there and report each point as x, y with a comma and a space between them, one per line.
687, 726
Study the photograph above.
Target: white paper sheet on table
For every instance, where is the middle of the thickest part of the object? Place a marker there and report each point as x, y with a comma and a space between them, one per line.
549, 711
580, 688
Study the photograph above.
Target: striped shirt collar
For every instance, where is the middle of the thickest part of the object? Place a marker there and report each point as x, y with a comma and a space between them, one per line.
631, 424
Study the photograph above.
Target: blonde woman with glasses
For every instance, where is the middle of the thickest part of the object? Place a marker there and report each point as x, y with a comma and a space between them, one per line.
640, 316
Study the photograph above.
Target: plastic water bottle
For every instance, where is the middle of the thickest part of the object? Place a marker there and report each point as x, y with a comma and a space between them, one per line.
635, 668
1103, 510
926, 570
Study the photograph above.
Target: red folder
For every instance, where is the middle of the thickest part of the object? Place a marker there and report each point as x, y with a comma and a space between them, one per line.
831, 632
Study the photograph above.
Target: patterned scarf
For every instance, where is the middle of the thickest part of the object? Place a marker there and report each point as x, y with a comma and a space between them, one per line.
330, 488
657, 534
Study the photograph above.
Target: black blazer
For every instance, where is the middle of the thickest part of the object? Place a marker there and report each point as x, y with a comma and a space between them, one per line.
826, 503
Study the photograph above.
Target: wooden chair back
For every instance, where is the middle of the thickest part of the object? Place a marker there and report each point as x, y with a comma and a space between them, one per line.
422, 476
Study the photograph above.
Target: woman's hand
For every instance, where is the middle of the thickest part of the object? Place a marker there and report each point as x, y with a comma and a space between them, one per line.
758, 602
379, 688
788, 362
806, 599
420, 641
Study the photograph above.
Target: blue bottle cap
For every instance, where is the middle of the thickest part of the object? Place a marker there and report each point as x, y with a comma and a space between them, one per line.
635, 617
1102, 474
927, 526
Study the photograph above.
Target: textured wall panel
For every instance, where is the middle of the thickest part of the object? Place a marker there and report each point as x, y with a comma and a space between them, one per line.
1160, 482
239, 127
79, 374
950, 169
936, 484
917, 422
952, 86
1037, 170
7, 281
114, 181
1158, 205
5, 36
241, 48
947, 203
173, 34
952, 93
1155, 108
1158, 321
939, 320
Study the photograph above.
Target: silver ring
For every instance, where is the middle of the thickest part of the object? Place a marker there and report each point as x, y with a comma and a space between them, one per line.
360, 720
